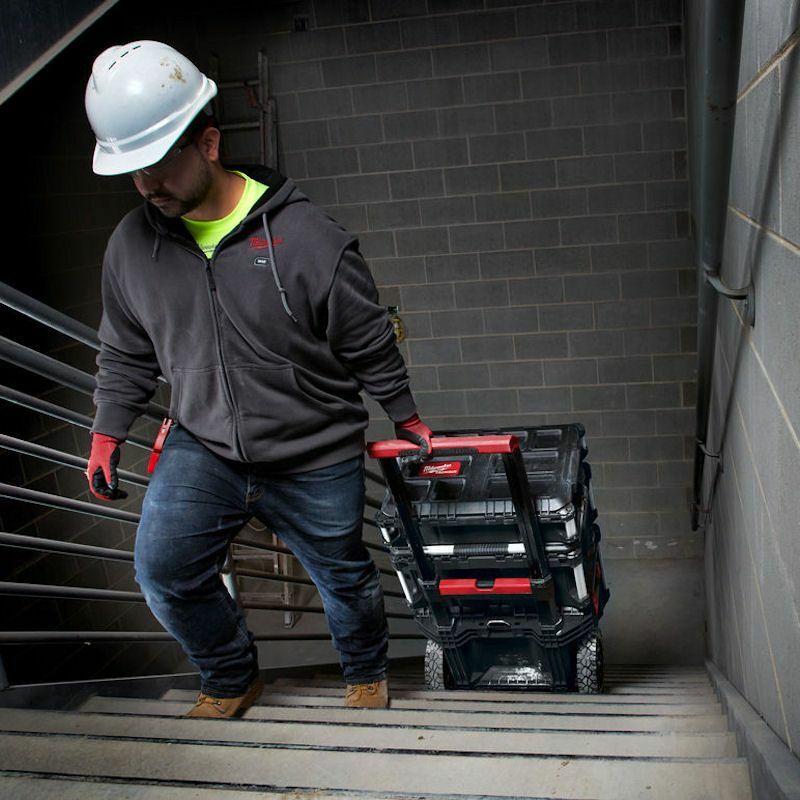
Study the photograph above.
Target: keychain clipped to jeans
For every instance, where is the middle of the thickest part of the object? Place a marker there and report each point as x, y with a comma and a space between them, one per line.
158, 445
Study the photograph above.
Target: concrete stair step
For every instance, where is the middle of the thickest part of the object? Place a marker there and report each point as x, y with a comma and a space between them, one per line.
644, 671
694, 723
426, 740
511, 702
417, 677
321, 687
428, 775
29, 788
672, 668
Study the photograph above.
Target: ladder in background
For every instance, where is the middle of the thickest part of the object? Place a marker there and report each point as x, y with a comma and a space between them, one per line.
258, 96
258, 99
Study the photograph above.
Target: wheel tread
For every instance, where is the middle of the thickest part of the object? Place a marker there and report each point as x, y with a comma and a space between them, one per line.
589, 664
434, 666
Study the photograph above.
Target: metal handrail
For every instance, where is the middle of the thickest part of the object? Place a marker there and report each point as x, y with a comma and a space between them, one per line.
58, 412
241, 557
276, 548
56, 546
56, 501
57, 371
43, 545
50, 317
15, 588
249, 602
276, 576
74, 378
68, 592
65, 459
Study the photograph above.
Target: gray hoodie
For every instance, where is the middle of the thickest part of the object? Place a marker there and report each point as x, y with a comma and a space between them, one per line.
266, 346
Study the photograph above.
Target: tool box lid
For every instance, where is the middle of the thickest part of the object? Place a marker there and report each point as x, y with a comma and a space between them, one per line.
463, 485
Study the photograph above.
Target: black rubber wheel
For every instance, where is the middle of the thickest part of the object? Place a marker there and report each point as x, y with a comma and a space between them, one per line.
589, 664
436, 673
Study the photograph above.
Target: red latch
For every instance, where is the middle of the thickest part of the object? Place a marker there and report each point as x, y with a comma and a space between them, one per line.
459, 586
158, 445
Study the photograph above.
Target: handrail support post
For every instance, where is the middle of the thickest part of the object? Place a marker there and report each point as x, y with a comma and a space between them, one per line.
746, 293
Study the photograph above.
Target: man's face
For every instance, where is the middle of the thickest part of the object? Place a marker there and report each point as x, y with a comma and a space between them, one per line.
178, 183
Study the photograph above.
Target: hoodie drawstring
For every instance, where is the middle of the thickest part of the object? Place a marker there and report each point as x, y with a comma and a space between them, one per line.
276, 277
156, 247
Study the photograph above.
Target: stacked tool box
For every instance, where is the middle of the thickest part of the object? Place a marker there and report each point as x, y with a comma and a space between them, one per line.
508, 598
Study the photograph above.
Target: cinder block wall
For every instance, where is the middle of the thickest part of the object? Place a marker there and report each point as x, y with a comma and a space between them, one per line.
517, 175
752, 543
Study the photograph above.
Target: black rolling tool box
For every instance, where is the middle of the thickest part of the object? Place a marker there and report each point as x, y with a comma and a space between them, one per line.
495, 541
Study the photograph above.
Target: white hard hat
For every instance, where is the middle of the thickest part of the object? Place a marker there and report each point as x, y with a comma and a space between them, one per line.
140, 98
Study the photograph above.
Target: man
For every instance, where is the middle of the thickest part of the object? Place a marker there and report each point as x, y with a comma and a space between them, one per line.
260, 312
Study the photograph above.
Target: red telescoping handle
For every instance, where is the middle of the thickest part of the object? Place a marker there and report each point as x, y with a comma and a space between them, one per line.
392, 448
461, 586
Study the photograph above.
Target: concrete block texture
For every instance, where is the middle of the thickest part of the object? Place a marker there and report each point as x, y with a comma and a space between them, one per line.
513, 173
752, 553
643, 591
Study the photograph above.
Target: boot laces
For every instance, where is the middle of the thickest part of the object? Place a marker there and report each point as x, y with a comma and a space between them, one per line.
207, 699
362, 688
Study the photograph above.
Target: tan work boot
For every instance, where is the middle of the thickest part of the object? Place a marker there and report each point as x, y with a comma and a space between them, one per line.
222, 707
367, 695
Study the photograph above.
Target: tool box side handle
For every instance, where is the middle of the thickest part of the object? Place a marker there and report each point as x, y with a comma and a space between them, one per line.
445, 445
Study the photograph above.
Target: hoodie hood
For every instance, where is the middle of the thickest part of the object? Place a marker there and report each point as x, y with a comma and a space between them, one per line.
280, 191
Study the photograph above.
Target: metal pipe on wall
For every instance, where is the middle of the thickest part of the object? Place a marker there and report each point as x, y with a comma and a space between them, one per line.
721, 47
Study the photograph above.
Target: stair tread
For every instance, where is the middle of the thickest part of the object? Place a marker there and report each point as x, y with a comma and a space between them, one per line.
329, 688
610, 669
712, 722
514, 776
511, 702
387, 737
28, 788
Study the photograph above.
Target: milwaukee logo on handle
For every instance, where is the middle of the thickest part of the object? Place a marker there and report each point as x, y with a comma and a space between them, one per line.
440, 469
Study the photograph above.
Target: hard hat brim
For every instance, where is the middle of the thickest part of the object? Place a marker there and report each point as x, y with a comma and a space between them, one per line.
107, 161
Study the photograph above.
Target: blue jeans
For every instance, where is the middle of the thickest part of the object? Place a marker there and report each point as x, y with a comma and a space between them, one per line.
197, 502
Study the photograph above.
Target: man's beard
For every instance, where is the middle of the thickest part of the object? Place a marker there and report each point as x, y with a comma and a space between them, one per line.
172, 206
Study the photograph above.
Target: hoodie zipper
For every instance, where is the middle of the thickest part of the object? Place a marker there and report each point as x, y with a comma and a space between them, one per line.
211, 285
212, 297
212, 290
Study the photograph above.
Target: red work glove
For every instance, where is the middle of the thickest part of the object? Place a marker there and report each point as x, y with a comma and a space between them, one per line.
415, 430
102, 469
